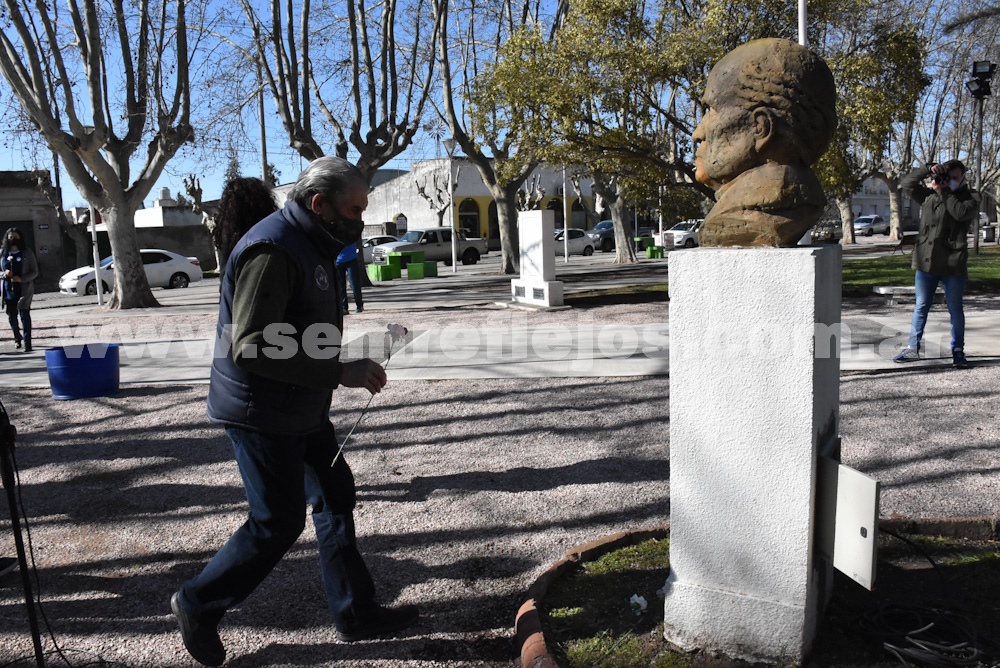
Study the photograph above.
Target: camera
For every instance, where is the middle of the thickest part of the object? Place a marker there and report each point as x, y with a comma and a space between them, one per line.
939, 179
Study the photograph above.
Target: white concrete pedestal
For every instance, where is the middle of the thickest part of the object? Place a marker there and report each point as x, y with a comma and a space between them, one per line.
754, 396
537, 285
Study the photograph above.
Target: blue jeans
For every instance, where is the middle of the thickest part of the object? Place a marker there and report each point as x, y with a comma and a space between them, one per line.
350, 270
926, 284
280, 475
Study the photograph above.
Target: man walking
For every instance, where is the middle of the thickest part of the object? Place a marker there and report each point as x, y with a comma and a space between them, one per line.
941, 254
279, 318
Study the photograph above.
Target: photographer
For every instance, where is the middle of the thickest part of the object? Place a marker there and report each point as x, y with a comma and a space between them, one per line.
941, 255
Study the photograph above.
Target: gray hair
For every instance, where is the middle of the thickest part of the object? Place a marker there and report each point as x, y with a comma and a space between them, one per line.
329, 176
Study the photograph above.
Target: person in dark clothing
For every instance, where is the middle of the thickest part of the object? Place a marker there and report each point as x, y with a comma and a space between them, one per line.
941, 255
245, 202
18, 270
271, 386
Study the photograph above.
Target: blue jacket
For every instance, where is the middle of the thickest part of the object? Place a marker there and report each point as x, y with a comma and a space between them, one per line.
349, 254
239, 398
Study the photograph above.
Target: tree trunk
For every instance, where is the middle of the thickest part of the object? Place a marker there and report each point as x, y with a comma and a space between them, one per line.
134, 293
510, 245
846, 219
895, 212
624, 249
610, 191
81, 242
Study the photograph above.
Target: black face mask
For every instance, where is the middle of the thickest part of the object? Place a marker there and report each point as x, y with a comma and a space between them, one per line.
346, 230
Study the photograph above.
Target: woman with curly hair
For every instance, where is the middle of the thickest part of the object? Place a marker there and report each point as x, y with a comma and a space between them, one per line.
18, 270
245, 202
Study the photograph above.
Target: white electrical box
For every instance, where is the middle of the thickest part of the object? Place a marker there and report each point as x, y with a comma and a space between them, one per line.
847, 530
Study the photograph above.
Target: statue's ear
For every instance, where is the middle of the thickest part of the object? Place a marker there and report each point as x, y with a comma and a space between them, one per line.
763, 127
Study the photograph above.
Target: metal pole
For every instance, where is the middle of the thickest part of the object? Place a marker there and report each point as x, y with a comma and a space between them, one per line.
451, 211
659, 201
566, 210
8, 479
803, 19
98, 283
979, 168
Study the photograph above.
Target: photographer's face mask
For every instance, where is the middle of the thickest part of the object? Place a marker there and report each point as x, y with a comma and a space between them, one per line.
956, 181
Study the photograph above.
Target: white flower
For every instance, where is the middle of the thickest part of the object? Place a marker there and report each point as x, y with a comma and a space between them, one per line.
397, 332
638, 604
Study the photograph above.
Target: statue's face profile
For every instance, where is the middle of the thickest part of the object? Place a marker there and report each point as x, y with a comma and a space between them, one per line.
725, 136
770, 100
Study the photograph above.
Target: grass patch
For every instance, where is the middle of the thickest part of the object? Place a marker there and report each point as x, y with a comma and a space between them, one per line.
858, 279
588, 621
589, 618
860, 276
652, 555
606, 650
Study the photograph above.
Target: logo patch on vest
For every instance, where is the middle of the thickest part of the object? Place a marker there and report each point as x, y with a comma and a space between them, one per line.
322, 279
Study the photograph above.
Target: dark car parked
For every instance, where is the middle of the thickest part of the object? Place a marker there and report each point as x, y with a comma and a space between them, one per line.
603, 235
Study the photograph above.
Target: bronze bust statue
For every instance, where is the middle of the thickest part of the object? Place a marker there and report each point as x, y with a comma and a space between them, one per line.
771, 115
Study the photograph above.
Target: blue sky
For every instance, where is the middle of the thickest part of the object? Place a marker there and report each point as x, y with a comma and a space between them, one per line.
16, 155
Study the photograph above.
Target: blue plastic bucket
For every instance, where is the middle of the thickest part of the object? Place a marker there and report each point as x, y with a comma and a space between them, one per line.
78, 372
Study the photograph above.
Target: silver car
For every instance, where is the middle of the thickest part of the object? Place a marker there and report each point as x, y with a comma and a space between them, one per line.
869, 225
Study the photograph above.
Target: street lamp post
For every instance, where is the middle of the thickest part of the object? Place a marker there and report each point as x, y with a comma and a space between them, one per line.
979, 87
98, 283
449, 145
566, 216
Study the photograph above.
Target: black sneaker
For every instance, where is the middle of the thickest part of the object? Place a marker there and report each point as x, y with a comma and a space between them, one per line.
958, 359
201, 640
385, 622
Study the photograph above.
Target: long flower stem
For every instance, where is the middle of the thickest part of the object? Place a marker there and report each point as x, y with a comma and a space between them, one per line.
364, 411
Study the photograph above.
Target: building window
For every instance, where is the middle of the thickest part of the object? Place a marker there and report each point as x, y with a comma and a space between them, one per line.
468, 217
555, 204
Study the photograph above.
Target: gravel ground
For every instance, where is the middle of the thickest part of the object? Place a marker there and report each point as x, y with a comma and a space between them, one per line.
467, 490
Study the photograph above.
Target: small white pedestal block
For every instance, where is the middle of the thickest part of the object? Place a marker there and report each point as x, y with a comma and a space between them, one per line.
754, 396
537, 285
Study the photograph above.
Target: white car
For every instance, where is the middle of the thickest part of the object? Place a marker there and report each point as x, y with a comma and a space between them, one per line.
164, 269
580, 242
368, 244
683, 234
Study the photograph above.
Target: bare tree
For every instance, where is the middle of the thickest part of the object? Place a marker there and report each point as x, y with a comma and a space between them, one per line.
506, 168
192, 186
530, 194
440, 201
43, 55
589, 211
385, 75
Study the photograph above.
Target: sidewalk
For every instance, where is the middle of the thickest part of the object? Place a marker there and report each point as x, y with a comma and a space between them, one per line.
575, 346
